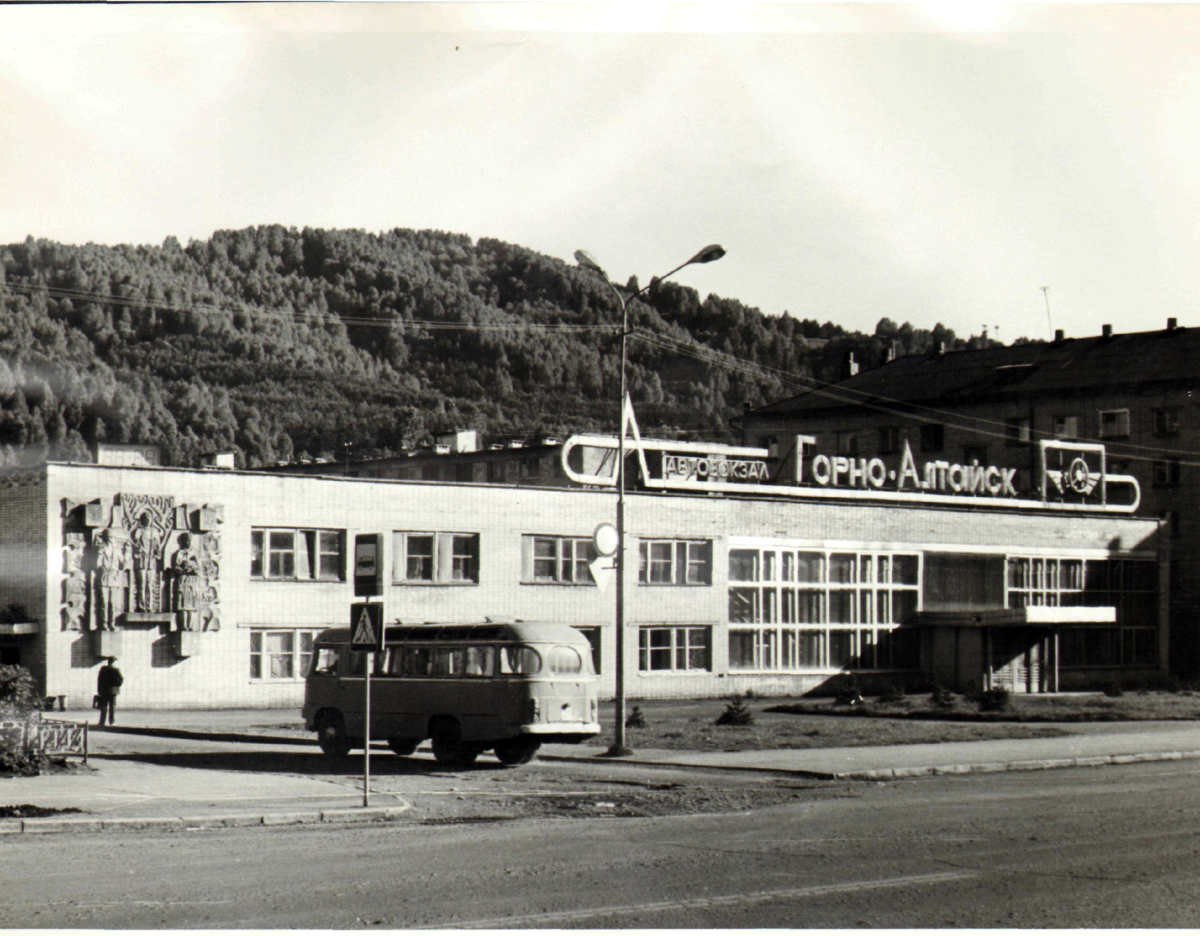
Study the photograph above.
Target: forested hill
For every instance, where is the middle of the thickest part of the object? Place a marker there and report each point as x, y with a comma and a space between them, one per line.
278, 344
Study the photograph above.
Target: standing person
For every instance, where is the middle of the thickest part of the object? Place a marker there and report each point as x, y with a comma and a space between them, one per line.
108, 686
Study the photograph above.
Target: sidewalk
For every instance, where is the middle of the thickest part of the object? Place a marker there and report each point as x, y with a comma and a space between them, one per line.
138, 776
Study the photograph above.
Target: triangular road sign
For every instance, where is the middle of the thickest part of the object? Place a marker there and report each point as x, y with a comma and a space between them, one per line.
366, 626
602, 570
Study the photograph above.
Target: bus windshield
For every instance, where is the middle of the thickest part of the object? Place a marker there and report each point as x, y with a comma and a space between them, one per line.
519, 661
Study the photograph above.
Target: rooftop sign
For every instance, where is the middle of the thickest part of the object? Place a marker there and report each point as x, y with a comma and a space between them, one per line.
1070, 475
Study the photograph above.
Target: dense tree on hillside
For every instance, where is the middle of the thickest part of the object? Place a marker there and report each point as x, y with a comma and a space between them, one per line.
280, 343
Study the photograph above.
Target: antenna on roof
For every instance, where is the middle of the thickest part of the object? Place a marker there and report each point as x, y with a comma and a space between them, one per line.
1049, 321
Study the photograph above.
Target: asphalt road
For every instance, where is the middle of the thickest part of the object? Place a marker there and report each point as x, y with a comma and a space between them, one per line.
1099, 847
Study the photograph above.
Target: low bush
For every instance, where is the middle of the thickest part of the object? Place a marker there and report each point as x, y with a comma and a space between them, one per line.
940, 696
891, 695
1113, 690
19, 698
993, 700
636, 719
737, 713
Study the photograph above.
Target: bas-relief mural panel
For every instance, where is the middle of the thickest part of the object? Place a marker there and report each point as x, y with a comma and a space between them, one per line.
141, 559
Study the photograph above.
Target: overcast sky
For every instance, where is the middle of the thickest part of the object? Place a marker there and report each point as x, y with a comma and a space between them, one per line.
925, 163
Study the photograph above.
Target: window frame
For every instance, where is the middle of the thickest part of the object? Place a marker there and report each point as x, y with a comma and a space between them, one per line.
453, 559
308, 554
685, 555
1065, 427
676, 649
1165, 472
1166, 422
565, 556
1018, 430
299, 654
782, 603
1121, 428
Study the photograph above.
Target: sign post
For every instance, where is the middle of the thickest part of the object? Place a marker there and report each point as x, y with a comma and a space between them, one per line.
366, 636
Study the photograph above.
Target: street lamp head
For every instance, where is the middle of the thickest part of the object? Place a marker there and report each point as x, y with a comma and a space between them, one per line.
707, 255
585, 259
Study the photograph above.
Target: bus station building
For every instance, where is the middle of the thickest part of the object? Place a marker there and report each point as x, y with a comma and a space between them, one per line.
744, 571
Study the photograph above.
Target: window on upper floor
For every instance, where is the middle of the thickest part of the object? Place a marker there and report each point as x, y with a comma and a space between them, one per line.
298, 555
1166, 473
435, 558
563, 560
1114, 424
889, 439
675, 562
1017, 430
1066, 427
1166, 422
848, 442
933, 437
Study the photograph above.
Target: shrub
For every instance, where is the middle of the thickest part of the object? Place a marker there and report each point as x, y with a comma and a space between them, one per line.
737, 712
19, 698
993, 700
851, 695
891, 694
18, 692
1113, 690
636, 719
940, 696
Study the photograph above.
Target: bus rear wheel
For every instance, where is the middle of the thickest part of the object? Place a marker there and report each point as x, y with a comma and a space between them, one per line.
331, 735
450, 749
516, 751
402, 746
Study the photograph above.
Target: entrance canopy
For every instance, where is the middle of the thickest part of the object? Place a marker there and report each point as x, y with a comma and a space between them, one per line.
1037, 616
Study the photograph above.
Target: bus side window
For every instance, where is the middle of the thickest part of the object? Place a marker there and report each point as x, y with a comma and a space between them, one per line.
417, 661
358, 663
395, 661
519, 661
479, 661
448, 661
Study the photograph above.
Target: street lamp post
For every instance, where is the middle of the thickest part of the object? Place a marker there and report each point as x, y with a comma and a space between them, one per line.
707, 255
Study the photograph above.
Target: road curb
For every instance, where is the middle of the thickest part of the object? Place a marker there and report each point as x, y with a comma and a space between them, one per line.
1103, 760
53, 824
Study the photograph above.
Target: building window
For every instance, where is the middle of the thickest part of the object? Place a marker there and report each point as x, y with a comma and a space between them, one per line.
1166, 473
889, 440
564, 560
1166, 422
593, 637
280, 654
464, 472
1129, 585
796, 610
675, 649
933, 437
531, 468
675, 562
975, 454
441, 558
1066, 427
847, 443
298, 555
1017, 431
1114, 424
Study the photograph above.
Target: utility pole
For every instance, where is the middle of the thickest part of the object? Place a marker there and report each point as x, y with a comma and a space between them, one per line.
1049, 321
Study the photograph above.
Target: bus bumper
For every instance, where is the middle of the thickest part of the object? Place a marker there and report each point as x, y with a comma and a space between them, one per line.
563, 728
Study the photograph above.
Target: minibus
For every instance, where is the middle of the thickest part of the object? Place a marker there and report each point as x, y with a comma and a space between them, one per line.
506, 687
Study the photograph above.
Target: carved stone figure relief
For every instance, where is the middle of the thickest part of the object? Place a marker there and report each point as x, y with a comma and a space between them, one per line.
152, 563
74, 601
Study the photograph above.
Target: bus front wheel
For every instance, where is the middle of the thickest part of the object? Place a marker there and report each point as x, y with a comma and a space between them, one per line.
331, 735
516, 751
450, 749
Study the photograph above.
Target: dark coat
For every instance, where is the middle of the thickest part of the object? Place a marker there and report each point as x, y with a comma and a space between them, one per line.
109, 681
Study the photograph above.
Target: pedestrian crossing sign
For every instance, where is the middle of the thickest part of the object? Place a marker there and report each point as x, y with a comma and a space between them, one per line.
366, 627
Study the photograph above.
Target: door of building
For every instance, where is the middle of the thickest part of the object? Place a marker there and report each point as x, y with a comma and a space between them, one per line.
1016, 663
